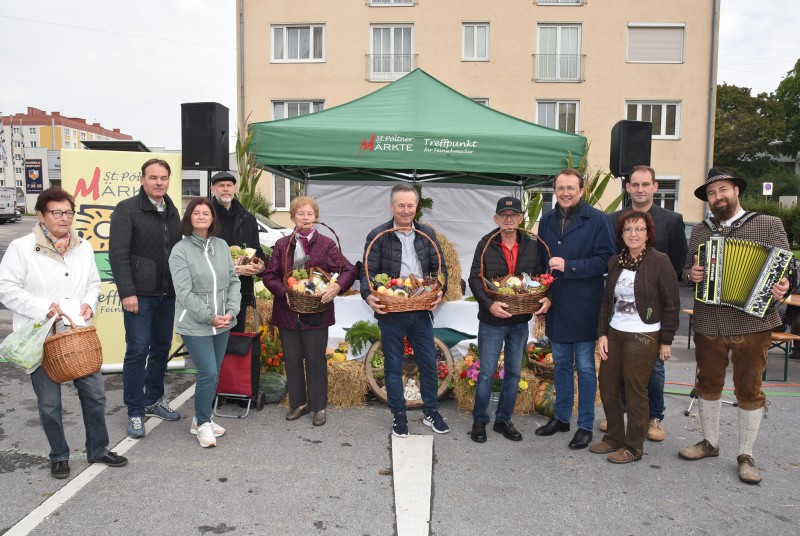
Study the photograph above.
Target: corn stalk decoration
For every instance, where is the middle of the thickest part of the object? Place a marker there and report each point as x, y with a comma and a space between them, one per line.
249, 196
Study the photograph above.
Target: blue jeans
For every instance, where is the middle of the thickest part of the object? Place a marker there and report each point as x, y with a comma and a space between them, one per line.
568, 357
92, 395
490, 342
148, 336
655, 391
207, 354
418, 327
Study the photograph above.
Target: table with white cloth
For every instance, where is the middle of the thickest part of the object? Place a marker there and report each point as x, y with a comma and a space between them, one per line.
459, 315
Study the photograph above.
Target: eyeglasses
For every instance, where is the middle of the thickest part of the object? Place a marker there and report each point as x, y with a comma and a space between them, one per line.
508, 216
629, 230
570, 189
58, 214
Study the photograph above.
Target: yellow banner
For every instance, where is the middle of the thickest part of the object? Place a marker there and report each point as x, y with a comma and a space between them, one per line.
99, 180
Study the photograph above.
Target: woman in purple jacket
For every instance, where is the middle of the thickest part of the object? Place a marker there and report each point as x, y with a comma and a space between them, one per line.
305, 336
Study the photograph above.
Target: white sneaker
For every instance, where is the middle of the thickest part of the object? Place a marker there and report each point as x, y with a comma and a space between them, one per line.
219, 431
205, 435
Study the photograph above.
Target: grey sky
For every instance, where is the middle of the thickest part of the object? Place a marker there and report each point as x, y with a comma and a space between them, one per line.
130, 65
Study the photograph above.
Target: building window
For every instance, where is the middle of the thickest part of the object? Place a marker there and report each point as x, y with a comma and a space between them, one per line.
18, 171
475, 41
655, 43
15, 130
294, 44
392, 2
83, 135
560, 115
74, 145
665, 116
559, 58
32, 130
190, 187
392, 52
482, 101
19, 183
66, 132
34, 144
285, 109
17, 144
66, 145
667, 194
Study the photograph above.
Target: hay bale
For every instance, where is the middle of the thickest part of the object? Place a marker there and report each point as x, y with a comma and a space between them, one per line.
464, 394
597, 391
264, 308
347, 384
453, 264
537, 328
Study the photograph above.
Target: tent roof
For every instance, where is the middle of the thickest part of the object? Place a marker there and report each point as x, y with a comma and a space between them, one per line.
415, 128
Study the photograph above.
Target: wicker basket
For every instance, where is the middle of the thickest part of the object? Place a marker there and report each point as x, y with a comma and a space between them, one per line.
518, 304
543, 370
72, 354
300, 302
400, 304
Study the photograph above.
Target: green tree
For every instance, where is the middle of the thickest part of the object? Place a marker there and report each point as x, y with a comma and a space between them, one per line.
788, 95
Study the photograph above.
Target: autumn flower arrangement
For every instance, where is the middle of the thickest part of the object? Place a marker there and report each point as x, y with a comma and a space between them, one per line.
473, 366
271, 352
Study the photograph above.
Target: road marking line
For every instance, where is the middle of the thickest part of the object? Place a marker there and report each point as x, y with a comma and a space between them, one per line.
412, 466
25, 525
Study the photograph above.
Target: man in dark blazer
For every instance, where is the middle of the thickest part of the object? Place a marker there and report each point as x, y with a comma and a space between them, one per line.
670, 240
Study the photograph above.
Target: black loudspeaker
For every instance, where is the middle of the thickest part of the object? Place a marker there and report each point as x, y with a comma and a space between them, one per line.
204, 136
630, 146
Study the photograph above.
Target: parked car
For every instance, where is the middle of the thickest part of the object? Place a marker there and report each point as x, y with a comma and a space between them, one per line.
269, 232
18, 216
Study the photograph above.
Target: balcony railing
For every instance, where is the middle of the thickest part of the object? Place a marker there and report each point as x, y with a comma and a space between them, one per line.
558, 67
389, 67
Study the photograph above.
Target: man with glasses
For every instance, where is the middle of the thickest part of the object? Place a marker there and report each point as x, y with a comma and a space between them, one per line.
144, 228
581, 241
511, 252
670, 240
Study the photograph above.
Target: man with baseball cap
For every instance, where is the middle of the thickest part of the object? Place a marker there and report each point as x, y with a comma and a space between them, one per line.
238, 228
512, 251
722, 332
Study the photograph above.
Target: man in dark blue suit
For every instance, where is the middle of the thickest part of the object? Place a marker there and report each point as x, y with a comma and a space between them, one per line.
581, 242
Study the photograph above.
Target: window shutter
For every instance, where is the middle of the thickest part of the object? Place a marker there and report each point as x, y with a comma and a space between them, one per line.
655, 45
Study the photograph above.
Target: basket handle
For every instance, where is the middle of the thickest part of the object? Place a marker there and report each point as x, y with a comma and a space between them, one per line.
291, 239
489, 241
393, 229
64, 315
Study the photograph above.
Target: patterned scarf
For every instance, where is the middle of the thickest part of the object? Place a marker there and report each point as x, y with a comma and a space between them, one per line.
628, 262
60, 244
303, 238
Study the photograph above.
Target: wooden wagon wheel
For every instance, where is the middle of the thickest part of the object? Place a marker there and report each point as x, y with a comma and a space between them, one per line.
375, 374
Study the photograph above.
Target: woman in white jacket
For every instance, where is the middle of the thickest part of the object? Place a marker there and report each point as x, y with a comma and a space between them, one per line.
39, 273
207, 302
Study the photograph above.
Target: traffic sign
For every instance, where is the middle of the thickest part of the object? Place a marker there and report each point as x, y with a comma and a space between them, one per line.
766, 188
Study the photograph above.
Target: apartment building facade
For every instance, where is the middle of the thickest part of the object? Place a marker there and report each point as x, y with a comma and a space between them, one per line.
571, 65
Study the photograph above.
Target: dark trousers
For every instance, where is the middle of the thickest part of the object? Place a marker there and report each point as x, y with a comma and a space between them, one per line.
630, 357
306, 367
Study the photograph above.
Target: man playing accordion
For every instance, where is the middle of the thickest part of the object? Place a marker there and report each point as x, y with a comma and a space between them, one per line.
722, 331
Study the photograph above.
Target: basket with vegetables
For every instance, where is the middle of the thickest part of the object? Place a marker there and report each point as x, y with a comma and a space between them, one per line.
242, 256
399, 295
305, 286
521, 292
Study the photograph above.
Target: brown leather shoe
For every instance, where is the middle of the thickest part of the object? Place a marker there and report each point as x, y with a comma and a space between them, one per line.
319, 418
297, 412
623, 456
601, 448
748, 472
656, 432
604, 425
704, 449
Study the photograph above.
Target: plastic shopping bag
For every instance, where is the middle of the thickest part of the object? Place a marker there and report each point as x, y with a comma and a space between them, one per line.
25, 346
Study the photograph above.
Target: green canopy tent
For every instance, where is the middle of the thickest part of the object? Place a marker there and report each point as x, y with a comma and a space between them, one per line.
414, 129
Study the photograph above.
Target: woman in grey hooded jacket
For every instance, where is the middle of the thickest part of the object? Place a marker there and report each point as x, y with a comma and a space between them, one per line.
208, 298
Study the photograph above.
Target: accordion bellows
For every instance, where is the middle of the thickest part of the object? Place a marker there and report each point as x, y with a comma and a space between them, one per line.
740, 273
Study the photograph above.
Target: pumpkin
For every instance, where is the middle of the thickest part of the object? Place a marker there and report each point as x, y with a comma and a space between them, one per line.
544, 401
273, 385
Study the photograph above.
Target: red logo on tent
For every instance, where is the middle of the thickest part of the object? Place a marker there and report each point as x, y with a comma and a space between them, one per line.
367, 145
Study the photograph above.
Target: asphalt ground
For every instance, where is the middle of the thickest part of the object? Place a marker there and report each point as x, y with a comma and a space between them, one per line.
270, 476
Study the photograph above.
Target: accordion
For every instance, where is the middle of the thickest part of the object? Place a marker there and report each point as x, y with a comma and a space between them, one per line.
740, 273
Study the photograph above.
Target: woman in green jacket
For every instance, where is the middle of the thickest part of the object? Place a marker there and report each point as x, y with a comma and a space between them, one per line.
207, 295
